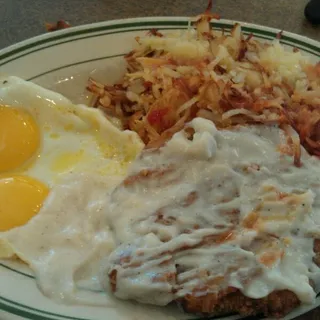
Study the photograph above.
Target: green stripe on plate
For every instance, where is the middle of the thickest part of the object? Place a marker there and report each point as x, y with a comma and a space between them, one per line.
23, 310
115, 56
17, 271
101, 58
76, 39
144, 29
37, 314
76, 64
284, 37
70, 33
23, 314
145, 26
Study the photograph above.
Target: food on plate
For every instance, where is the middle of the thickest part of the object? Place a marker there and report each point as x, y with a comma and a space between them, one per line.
229, 78
210, 201
254, 249
224, 222
45, 137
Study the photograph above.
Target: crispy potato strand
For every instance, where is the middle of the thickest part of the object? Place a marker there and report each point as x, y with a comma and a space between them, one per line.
230, 82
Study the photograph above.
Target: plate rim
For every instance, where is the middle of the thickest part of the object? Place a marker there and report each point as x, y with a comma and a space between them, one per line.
10, 50
116, 22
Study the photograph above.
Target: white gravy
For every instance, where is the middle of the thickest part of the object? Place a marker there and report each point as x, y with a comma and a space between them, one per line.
229, 209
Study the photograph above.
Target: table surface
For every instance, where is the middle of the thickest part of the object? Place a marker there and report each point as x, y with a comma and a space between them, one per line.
22, 19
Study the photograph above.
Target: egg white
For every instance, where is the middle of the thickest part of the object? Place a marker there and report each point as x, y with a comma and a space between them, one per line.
65, 243
74, 138
75, 141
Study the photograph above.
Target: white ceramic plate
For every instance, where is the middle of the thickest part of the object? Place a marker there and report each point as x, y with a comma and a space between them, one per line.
63, 61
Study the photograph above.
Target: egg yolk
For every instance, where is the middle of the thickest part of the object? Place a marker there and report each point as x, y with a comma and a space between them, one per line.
19, 137
21, 198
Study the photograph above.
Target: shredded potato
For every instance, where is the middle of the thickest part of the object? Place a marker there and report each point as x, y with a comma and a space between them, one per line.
227, 78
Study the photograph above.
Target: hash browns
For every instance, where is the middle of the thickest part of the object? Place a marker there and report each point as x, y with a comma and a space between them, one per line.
230, 79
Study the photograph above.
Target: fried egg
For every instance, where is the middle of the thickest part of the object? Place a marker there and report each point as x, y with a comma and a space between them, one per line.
65, 242
43, 138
